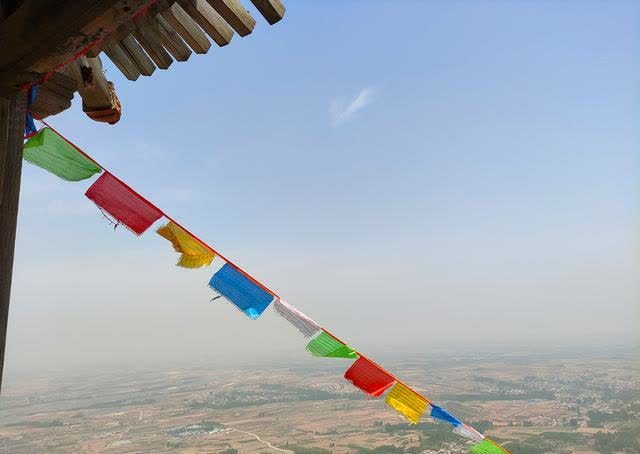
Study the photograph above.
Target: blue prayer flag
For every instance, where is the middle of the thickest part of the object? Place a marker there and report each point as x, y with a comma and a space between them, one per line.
442, 414
29, 124
241, 291
31, 94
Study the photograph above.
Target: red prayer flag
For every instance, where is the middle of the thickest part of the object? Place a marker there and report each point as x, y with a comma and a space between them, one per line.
369, 377
123, 203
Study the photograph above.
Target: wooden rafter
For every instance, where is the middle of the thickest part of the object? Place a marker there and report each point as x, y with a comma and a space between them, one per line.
272, 10
137, 35
41, 35
171, 40
209, 20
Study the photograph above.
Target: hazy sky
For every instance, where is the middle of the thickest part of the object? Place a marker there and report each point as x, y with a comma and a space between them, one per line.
411, 174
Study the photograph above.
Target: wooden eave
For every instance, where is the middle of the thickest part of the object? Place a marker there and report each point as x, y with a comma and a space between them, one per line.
41, 37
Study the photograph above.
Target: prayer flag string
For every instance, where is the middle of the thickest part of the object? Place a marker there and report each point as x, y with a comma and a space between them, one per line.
243, 290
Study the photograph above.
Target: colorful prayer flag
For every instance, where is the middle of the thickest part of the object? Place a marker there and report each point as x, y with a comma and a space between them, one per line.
303, 323
468, 432
123, 203
406, 402
369, 377
249, 297
325, 345
488, 446
193, 254
442, 414
29, 125
51, 152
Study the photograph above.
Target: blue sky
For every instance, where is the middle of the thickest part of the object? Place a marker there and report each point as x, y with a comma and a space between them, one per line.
413, 175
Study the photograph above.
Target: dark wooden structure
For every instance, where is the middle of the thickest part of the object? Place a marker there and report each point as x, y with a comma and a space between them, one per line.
58, 44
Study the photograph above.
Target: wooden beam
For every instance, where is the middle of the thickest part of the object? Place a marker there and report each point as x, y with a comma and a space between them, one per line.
138, 55
209, 20
186, 27
151, 43
54, 95
121, 59
12, 114
43, 34
99, 99
272, 10
61, 83
95, 50
94, 89
162, 31
50, 103
135, 56
171, 40
234, 13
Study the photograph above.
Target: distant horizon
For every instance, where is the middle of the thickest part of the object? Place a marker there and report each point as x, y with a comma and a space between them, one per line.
390, 359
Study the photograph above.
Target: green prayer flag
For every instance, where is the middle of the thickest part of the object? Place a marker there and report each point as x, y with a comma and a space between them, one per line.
486, 447
327, 346
51, 152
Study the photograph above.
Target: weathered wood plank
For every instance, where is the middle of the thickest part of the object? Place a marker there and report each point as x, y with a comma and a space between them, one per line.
187, 28
42, 34
209, 20
62, 83
138, 55
94, 91
234, 13
54, 96
125, 36
171, 40
48, 103
59, 85
121, 59
99, 99
95, 50
12, 112
150, 41
272, 10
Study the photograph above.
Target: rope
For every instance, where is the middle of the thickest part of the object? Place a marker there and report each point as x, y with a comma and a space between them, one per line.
237, 267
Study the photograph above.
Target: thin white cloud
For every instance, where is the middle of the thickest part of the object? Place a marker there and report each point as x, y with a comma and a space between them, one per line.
341, 111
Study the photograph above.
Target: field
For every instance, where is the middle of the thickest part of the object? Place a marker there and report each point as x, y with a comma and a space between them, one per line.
571, 403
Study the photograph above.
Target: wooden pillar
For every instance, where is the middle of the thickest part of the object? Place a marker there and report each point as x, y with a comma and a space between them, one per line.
12, 115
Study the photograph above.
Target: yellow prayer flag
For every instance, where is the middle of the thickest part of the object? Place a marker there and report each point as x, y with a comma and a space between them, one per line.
406, 402
193, 253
